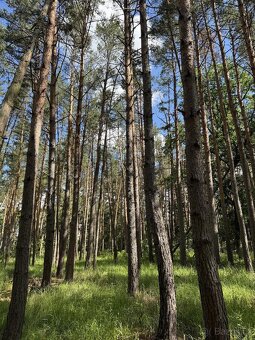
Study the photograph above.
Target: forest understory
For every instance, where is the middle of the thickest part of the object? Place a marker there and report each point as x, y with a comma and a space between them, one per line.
95, 306
127, 169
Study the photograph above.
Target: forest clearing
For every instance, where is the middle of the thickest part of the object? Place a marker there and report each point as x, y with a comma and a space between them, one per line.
127, 169
96, 303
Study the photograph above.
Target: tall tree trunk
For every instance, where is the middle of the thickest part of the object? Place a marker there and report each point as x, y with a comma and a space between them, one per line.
167, 326
67, 196
133, 268
207, 153
137, 199
92, 218
51, 218
76, 184
37, 207
179, 196
213, 305
15, 318
101, 192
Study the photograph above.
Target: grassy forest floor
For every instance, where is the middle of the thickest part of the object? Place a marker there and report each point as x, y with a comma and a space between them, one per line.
96, 307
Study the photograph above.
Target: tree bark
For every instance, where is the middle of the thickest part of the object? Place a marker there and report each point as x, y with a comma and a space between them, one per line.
15, 318
213, 305
207, 153
179, 196
133, 268
167, 325
51, 195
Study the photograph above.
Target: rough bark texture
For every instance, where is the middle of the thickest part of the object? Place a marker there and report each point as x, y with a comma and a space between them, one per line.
50, 224
133, 270
16, 312
167, 326
207, 155
214, 310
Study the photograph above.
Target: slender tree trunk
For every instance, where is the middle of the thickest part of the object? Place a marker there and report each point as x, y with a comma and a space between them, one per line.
92, 218
179, 196
37, 207
207, 153
104, 160
51, 218
167, 326
67, 196
76, 186
137, 199
133, 268
213, 305
15, 318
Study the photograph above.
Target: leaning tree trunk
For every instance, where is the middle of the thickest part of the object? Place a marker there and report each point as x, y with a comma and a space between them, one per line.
16, 314
14, 89
238, 207
16, 84
167, 326
247, 36
213, 305
240, 142
247, 130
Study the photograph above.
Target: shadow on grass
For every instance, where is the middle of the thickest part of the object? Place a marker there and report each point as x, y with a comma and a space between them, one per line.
96, 305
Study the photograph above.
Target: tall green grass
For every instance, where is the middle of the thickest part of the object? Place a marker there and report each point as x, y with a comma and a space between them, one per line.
96, 306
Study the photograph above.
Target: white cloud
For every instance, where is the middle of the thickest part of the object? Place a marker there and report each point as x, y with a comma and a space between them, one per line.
157, 97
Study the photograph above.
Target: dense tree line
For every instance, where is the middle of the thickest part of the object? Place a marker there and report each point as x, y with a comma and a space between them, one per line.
110, 146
